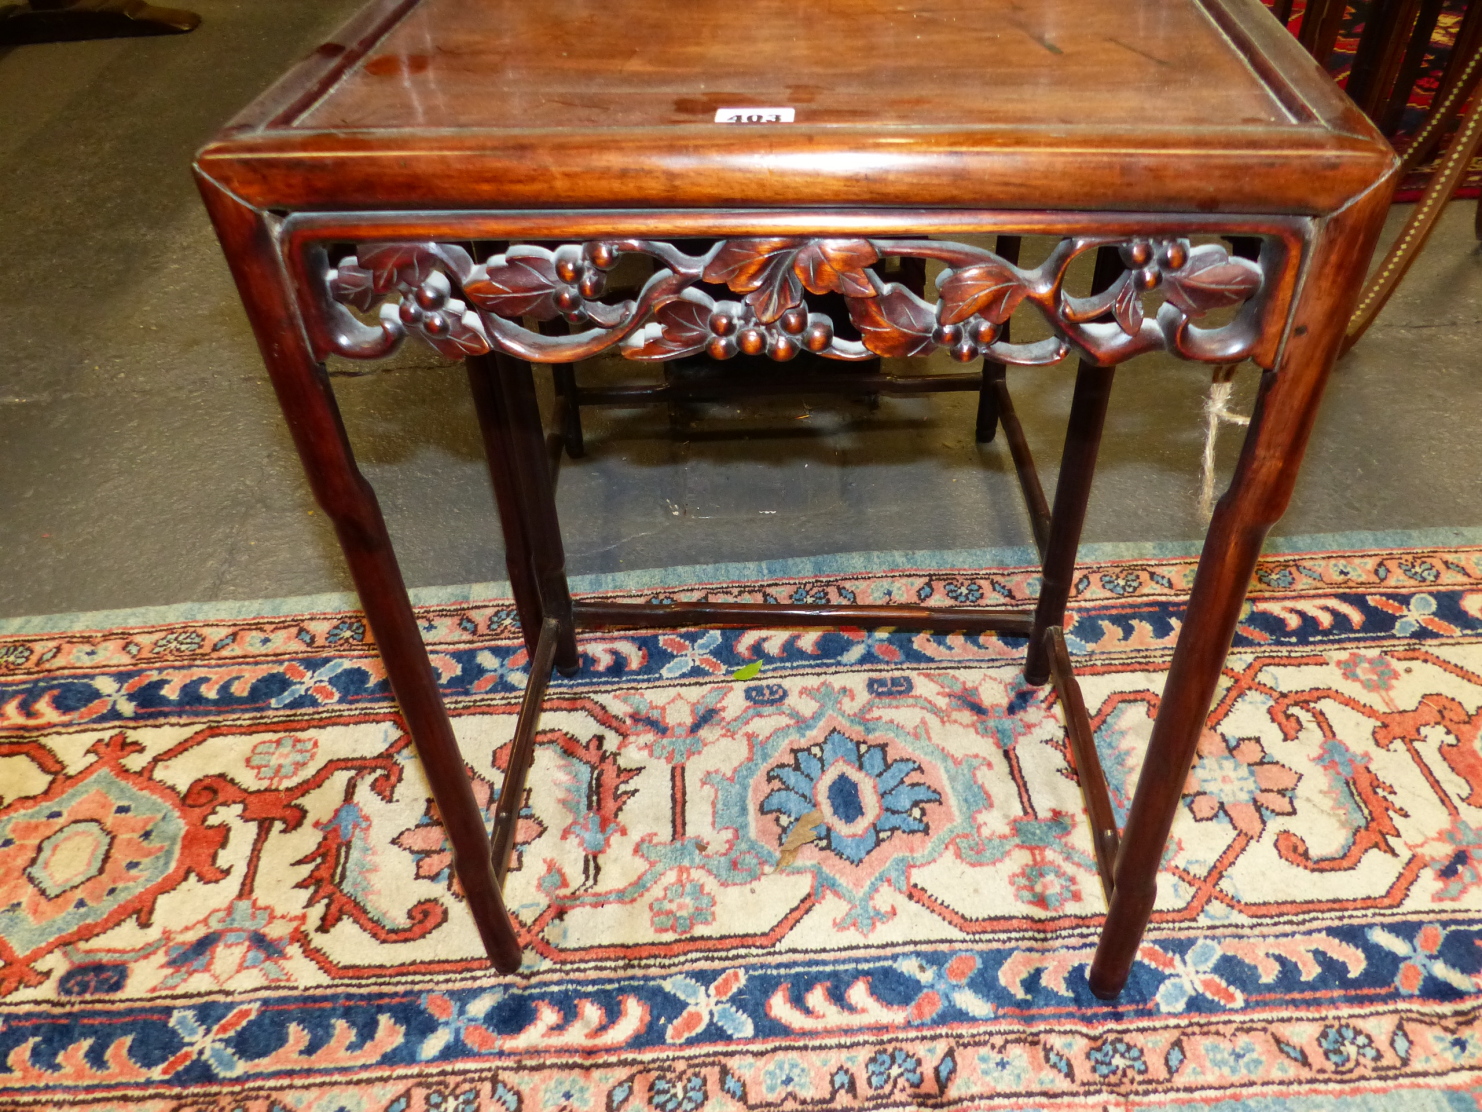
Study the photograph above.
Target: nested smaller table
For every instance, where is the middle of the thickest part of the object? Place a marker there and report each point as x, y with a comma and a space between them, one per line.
464, 171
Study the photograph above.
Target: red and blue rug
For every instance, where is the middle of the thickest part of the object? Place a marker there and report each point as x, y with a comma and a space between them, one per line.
756, 870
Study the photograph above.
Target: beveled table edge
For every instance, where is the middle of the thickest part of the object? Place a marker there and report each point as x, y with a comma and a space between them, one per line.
556, 170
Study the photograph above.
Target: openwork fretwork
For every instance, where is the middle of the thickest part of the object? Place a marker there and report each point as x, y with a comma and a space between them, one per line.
437, 292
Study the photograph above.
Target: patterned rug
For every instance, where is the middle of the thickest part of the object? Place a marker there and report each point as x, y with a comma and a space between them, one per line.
757, 870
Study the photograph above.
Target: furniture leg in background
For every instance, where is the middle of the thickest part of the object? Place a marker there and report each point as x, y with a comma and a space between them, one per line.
39, 21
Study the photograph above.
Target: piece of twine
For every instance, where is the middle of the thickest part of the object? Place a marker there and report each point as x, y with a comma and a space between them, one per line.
1216, 411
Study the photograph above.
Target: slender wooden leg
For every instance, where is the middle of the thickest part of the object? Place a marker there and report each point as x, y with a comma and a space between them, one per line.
537, 497
1257, 496
986, 427
571, 433
313, 418
1387, 28
1072, 489
522, 749
1456, 89
1007, 248
487, 401
568, 406
1415, 52
1072, 492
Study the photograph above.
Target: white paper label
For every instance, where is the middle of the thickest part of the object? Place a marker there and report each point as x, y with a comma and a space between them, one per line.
753, 115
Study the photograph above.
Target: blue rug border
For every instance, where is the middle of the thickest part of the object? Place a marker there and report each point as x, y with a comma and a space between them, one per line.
691, 574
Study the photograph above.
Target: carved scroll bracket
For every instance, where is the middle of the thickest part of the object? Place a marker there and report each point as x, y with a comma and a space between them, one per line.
437, 292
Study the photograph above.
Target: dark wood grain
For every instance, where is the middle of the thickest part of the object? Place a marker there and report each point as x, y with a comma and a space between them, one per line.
1121, 59
1381, 52
1072, 489
986, 426
1451, 97
488, 402
530, 476
522, 749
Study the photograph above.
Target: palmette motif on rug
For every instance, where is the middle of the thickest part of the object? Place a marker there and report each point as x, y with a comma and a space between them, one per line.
756, 869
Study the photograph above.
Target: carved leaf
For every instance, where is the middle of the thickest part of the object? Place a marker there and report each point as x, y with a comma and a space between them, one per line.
837, 266
894, 323
743, 264
1127, 307
763, 270
399, 266
464, 337
352, 285
517, 285
1211, 280
682, 327
687, 318
649, 342
777, 297
992, 289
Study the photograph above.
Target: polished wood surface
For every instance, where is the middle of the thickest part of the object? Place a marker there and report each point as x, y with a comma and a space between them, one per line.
1200, 105
597, 64
577, 133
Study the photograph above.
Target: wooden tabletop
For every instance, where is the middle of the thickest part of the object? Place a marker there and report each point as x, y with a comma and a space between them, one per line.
1186, 105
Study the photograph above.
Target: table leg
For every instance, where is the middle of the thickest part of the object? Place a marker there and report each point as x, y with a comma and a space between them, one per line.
308, 403
1007, 249
1072, 488
571, 431
1257, 496
537, 495
1072, 493
488, 401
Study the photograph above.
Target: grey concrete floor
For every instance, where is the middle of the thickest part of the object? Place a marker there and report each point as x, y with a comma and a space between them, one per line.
142, 459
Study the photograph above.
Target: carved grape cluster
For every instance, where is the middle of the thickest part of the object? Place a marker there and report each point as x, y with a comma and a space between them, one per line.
977, 293
1194, 280
534, 282
582, 272
734, 327
427, 306
965, 342
1150, 259
431, 306
694, 322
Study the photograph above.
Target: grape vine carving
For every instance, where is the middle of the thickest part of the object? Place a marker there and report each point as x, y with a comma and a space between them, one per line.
439, 293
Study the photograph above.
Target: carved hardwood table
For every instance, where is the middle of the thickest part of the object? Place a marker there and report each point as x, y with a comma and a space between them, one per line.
466, 171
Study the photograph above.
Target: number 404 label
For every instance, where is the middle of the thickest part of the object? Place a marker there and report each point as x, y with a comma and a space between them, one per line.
753, 115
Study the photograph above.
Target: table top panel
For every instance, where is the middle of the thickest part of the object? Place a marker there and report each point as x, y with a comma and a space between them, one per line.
1137, 105
957, 63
